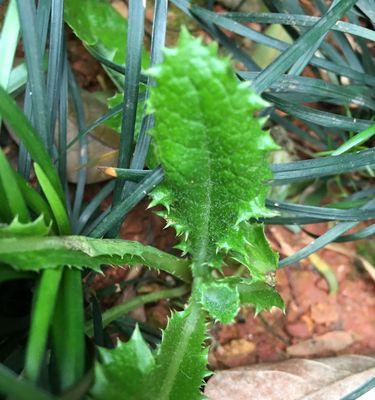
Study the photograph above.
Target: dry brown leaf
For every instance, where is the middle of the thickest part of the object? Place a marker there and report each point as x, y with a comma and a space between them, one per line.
294, 379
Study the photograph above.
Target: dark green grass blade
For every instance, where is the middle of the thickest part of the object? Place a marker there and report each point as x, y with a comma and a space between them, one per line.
258, 37
157, 45
322, 213
63, 119
304, 58
343, 43
331, 165
112, 112
133, 175
102, 225
218, 35
26, 133
362, 234
322, 241
31, 44
367, 7
94, 205
54, 74
299, 20
42, 23
83, 155
301, 46
318, 117
290, 127
131, 90
303, 89
68, 330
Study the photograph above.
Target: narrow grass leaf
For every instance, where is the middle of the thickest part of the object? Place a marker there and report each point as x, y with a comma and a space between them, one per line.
26, 133
13, 194
8, 43
55, 202
299, 20
31, 43
321, 241
356, 140
19, 388
131, 89
42, 312
301, 46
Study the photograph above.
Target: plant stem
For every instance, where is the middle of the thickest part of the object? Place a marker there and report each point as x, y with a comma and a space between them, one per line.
44, 304
117, 311
12, 386
68, 330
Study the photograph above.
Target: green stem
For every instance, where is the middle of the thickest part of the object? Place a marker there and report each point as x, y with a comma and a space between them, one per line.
117, 311
68, 330
44, 304
11, 385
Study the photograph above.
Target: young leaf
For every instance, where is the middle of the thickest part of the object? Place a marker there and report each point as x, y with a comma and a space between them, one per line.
35, 228
123, 370
212, 149
12, 193
181, 360
34, 253
251, 248
260, 295
220, 300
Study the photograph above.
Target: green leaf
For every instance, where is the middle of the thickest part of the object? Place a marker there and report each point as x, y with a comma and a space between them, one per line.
8, 43
16, 228
11, 192
181, 360
102, 30
30, 138
220, 300
251, 248
213, 152
55, 202
356, 140
124, 370
260, 295
35, 253
100, 26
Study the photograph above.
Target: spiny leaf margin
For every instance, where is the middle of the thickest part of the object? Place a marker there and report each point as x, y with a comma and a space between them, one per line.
212, 149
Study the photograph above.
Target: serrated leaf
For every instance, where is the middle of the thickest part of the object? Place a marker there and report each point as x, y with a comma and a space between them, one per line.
220, 300
35, 253
250, 247
16, 228
212, 149
260, 295
181, 360
123, 371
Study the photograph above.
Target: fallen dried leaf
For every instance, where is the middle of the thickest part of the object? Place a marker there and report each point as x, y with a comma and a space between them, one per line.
295, 379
